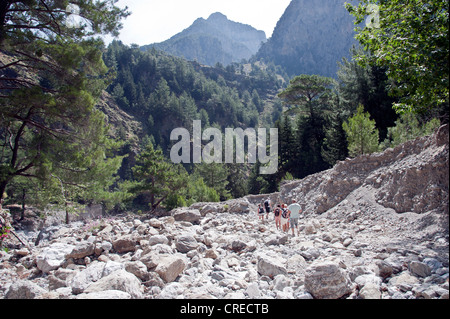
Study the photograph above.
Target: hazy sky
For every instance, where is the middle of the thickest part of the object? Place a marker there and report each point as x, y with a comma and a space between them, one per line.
157, 20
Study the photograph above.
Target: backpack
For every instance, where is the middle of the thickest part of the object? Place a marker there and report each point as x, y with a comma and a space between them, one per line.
261, 210
285, 213
277, 211
266, 204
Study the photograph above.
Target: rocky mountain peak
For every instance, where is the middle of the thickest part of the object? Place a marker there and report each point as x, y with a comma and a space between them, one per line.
214, 40
217, 17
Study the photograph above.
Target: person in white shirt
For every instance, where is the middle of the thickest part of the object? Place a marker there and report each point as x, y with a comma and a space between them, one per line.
295, 210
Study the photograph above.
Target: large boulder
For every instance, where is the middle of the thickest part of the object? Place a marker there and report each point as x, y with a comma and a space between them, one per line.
187, 215
240, 206
81, 250
270, 266
83, 279
24, 289
53, 256
120, 280
369, 286
327, 281
238, 245
186, 243
370, 291
94, 272
138, 268
419, 269
170, 267
211, 209
124, 244
158, 239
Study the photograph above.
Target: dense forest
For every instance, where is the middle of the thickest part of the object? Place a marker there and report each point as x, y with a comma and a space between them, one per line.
56, 147
169, 92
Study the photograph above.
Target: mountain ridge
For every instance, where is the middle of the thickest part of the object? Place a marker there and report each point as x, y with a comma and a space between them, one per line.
213, 40
309, 38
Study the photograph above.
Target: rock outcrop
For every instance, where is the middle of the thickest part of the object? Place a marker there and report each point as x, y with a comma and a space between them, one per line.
374, 227
311, 38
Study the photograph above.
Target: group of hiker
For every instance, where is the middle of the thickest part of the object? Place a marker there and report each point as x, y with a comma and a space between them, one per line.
286, 217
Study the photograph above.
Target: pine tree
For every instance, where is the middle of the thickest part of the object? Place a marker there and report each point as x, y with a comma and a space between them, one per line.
237, 180
361, 133
51, 75
287, 146
366, 85
311, 97
256, 182
198, 191
215, 176
309, 140
157, 178
335, 147
408, 127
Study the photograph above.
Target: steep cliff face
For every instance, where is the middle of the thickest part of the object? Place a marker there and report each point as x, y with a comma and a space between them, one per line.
311, 37
216, 39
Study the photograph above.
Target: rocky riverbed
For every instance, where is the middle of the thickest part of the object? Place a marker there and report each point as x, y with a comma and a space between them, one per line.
229, 255
374, 227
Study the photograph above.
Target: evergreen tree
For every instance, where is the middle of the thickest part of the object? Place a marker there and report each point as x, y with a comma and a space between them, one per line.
310, 136
198, 191
237, 180
256, 182
215, 176
408, 127
51, 75
311, 96
156, 178
174, 91
366, 85
335, 147
361, 133
287, 146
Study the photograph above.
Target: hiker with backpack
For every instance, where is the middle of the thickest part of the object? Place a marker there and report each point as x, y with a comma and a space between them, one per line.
277, 212
261, 212
267, 207
285, 213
